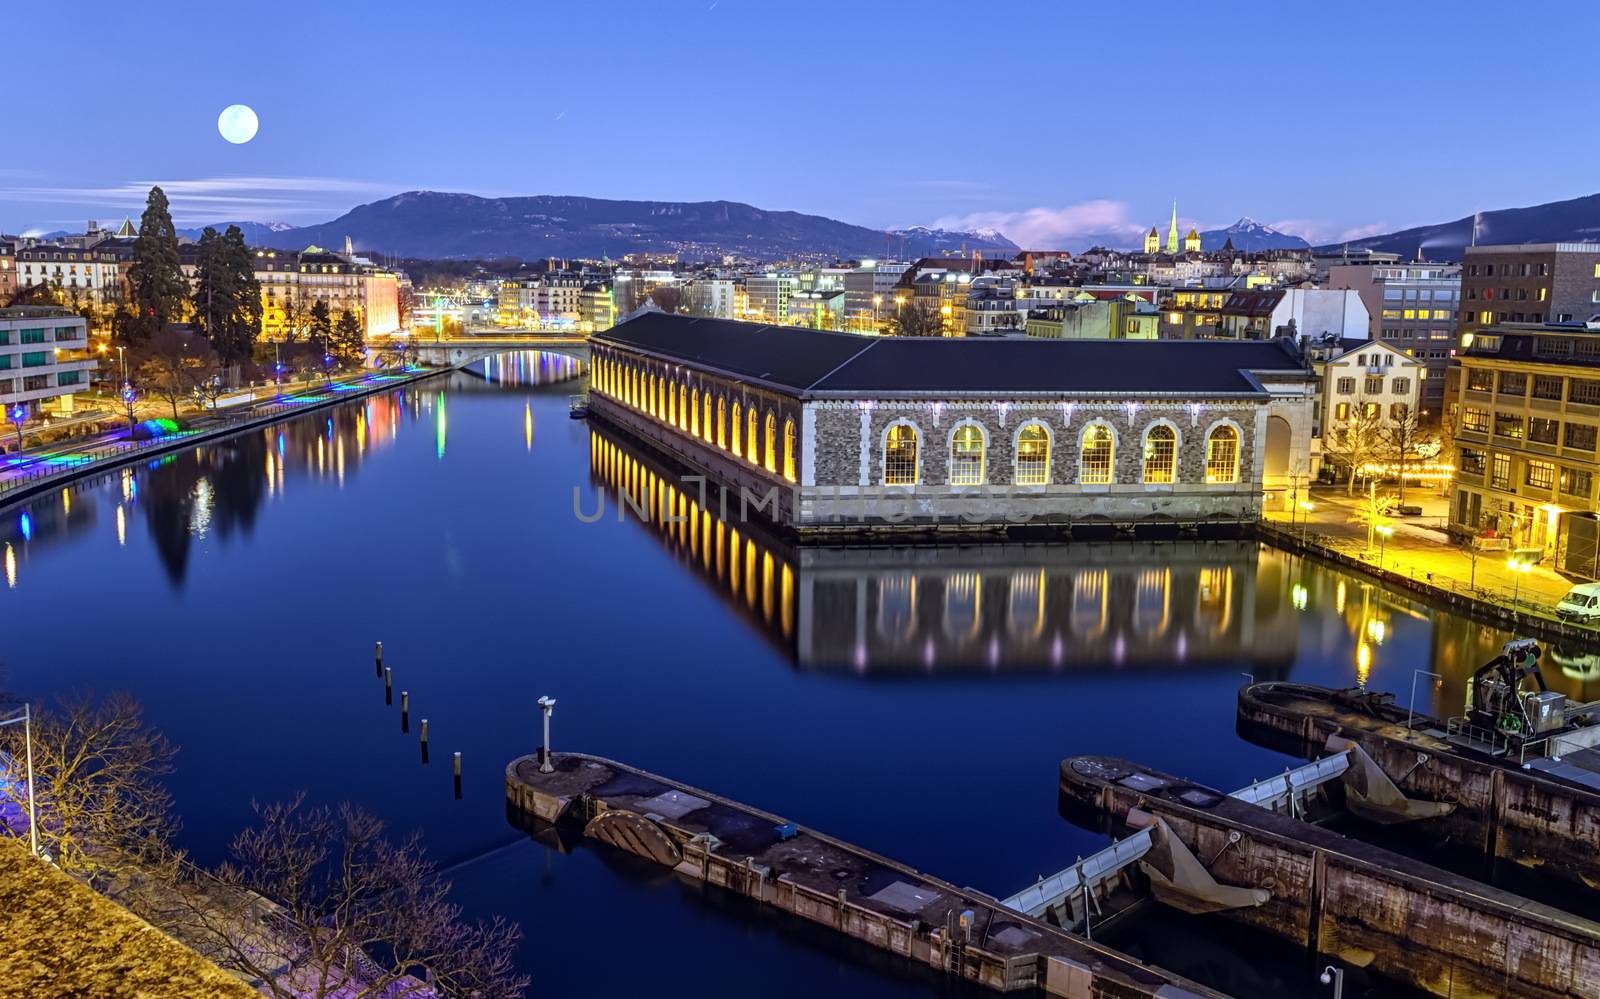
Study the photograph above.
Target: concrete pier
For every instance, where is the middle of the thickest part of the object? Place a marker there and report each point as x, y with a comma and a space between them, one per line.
1440, 932
800, 871
1525, 816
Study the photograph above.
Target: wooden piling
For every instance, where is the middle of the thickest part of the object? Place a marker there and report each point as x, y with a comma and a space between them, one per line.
405, 711
377, 656
388, 685
424, 740
455, 766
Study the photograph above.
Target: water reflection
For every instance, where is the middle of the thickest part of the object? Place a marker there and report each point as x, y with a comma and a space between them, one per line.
986, 607
526, 368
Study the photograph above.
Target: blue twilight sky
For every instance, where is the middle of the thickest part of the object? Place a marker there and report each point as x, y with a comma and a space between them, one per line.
1044, 120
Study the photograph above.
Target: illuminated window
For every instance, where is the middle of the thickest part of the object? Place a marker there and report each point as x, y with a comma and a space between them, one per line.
683, 407
1033, 455
788, 450
722, 424
750, 440
900, 456
737, 453
694, 412
771, 448
1094, 455
1222, 455
705, 422
966, 456
1161, 455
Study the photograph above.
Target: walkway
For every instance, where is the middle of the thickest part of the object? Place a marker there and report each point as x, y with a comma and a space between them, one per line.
33, 470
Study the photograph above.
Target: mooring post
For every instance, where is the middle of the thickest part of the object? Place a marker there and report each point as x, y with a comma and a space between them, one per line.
388, 685
377, 655
456, 767
405, 711
424, 740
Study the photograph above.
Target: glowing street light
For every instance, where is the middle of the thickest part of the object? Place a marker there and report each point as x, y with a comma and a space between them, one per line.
1519, 568
1384, 532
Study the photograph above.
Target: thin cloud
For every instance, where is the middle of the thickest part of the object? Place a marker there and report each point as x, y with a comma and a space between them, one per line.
1087, 222
1320, 232
215, 199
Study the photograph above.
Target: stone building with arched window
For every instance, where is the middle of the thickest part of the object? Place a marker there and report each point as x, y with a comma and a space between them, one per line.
851, 433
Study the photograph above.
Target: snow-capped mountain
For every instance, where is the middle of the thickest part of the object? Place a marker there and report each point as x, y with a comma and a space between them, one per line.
922, 240
1248, 234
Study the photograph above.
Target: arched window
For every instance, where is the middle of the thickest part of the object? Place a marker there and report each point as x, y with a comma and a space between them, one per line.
1161, 455
750, 441
966, 455
683, 407
705, 420
655, 396
788, 450
722, 423
1033, 455
770, 448
900, 456
694, 412
737, 453
1222, 455
1094, 455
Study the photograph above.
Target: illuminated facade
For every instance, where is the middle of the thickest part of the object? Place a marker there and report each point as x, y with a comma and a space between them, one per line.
1527, 425
291, 283
42, 358
934, 433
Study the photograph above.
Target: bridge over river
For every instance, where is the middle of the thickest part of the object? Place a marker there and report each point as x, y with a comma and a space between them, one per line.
454, 350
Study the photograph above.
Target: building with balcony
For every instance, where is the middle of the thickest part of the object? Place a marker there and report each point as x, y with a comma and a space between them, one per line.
838, 432
1368, 383
1261, 313
292, 282
869, 293
1414, 307
1095, 319
42, 362
1528, 418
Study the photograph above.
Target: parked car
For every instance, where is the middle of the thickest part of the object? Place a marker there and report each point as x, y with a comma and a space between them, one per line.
1408, 510
1582, 603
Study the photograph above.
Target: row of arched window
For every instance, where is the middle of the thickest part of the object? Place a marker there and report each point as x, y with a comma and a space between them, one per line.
902, 455
740, 428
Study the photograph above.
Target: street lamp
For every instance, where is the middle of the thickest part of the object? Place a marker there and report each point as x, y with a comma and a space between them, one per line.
1438, 681
1519, 568
1384, 532
129, 393
1335, 977
26, 718
547, 704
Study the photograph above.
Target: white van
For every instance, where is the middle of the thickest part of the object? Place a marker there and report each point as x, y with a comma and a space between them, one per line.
1582, 603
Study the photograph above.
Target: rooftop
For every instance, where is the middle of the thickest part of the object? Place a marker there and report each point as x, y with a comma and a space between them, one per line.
813, 364
37, 312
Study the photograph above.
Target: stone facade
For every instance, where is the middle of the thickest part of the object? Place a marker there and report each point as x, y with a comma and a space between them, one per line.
828, 459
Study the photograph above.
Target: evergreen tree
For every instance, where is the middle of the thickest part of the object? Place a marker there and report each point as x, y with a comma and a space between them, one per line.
320, 328
349, 345
227, 296
156, 273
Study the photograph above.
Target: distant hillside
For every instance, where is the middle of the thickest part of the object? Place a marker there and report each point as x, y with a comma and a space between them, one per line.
255, 233
451, 226
1249, 235
1573, 221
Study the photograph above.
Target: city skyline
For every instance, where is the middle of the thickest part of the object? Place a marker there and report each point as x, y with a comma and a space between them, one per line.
549, 102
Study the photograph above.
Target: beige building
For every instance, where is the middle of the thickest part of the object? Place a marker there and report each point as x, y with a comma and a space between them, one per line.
291, 283
1528, 416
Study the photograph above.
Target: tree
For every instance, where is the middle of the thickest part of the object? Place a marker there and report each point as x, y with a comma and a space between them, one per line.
173, 364
917, 319
104, 811
320, 326
668, 298
349, 343
155, 275
1400, 440
1354, 440
227, 296
317, 902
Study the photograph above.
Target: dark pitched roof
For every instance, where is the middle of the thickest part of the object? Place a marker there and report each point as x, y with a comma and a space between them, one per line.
812, 363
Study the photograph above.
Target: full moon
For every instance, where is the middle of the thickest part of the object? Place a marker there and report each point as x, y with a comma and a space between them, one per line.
238, 123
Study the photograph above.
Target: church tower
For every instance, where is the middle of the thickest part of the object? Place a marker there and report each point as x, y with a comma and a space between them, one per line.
1172, 231
1152, 241
1191, 242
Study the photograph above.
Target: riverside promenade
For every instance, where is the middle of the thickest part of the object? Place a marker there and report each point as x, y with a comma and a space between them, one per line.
32, 472
1421, 557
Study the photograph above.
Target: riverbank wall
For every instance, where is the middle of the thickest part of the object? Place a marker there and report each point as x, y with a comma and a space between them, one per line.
19, 488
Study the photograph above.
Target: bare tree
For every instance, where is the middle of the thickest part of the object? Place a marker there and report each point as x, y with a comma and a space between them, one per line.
318, 903
104, 812
1355, 440
1402, 439
668, 298
917, 319
173, 364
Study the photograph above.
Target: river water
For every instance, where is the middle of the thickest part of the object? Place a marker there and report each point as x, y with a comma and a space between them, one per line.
912, 700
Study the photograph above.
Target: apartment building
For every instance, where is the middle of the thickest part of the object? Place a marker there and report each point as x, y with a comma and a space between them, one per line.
42, 360
1414, 307
1529, 417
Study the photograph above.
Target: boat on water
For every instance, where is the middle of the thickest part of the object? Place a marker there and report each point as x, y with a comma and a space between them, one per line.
1520, 765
